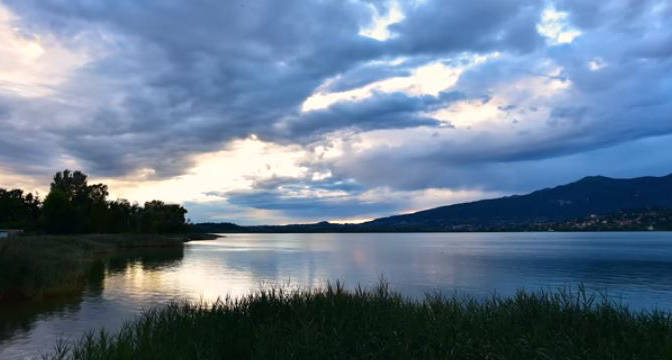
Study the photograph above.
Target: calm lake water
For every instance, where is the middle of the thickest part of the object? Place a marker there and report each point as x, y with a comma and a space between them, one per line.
635, 268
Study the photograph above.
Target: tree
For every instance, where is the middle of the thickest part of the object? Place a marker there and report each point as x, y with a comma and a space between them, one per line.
97, 208
122, 216
71, 184
159, 217
18, 210
74, 206
87, 202
58, 213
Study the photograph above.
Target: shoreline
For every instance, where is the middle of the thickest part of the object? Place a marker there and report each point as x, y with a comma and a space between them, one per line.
34, 268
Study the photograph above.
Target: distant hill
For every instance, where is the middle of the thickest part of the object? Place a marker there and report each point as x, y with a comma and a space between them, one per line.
562, 205
597, 195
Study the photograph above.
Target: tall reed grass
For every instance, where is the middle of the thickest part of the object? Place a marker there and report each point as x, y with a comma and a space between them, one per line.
333, 323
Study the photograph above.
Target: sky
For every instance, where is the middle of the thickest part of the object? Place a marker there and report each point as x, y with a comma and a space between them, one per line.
266, 111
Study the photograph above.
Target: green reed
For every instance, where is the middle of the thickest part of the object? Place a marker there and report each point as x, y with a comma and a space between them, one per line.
333, 323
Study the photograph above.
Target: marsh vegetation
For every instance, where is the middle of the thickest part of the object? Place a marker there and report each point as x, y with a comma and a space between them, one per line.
381, 324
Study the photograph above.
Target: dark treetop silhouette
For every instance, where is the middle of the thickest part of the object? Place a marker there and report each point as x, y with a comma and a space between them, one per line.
74, 206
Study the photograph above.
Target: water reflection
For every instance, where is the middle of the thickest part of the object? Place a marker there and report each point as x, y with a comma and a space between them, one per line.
633, 267
26, 327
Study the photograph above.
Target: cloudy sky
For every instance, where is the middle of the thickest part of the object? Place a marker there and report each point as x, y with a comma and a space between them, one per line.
266, 111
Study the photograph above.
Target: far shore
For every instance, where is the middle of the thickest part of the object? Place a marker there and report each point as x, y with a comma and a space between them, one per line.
222, 234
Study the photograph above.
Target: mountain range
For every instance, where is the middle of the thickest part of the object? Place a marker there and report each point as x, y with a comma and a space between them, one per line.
589, 197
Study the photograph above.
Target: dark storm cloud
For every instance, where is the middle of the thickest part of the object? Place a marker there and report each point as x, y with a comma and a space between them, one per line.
490, 162
440, 26
198, 75
383, 111
312, 208
167, 80
22, 144
181, 78
364, 75
617, 106
624, 14
649, 156
305, 199
292, 183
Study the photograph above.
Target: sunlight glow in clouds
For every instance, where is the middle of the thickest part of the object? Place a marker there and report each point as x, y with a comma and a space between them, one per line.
32, 65
428, 79
529, 91
237, 167
379, 27
18, 181
427, 198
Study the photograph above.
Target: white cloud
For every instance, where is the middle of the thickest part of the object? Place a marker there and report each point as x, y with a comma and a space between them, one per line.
428, 79
237, 167
596, 64
556, 28
510, 102
379, 27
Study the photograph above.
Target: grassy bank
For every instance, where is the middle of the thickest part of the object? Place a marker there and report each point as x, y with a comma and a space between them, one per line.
35, 267
379, 324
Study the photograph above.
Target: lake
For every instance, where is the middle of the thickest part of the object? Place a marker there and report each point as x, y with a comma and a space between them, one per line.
633, 268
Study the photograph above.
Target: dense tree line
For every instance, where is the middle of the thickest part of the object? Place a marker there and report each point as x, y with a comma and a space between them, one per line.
74, 206
19, 210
